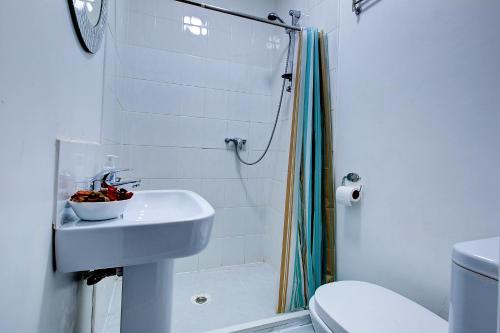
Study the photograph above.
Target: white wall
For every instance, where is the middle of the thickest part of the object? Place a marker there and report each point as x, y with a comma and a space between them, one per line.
418, 117
49, 87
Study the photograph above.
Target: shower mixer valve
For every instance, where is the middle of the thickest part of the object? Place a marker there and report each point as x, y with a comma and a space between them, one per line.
238, 142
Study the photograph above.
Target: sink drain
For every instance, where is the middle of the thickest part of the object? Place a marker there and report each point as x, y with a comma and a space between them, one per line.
200, 299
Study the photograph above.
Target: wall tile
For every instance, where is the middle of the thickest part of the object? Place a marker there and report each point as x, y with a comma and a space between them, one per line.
213, 191
260, 80
239, 76
153, 130
256, 194
143, 6
151, 97
216, 74
263, 169
193, 99
254, 220
155, 162
173, 10
157, 65
237, 106
214, 133
187, 264
193, 185
191, 43
211, 257
189, 163
191, 69
234, 252
189, 132
239, 129
235, 193
260, 109
218, 229
167, 34
216, 38
259, 135
142, 29
215, 104
253, 249
232, 221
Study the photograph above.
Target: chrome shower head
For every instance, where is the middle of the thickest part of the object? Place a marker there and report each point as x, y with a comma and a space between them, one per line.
273, 17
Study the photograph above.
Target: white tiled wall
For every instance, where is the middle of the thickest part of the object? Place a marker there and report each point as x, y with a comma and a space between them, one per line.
112, 106
176, 95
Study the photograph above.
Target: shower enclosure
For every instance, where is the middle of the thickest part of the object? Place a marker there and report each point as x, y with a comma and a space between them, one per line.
179, 79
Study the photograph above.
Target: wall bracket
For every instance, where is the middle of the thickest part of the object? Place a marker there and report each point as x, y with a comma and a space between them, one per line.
356, 6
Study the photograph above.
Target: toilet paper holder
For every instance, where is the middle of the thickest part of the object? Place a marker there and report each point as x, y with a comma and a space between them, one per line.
353, 177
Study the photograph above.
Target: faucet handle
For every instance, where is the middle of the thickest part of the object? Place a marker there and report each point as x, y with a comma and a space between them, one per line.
103, 173
115, 171
104, 176
111, 174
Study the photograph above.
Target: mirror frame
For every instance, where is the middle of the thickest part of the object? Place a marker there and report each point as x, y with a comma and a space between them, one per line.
89, 35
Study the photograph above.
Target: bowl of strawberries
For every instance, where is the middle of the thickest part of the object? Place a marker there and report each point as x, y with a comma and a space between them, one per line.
107, 203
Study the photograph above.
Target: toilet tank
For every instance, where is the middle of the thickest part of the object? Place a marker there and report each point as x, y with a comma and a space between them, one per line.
474, 286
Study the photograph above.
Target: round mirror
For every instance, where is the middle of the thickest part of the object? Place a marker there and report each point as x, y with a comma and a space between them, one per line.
93, 8
89, 19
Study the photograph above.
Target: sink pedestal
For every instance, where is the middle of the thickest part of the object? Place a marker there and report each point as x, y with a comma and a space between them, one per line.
156, 228
147, 297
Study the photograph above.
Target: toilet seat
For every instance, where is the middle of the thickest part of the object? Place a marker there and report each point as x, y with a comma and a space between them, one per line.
361, 307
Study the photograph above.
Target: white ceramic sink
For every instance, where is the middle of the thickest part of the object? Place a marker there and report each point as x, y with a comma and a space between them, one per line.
157, 227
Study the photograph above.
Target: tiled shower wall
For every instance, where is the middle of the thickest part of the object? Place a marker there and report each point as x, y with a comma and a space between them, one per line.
185, 79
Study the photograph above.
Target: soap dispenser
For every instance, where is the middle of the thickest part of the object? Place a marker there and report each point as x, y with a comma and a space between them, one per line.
110, 163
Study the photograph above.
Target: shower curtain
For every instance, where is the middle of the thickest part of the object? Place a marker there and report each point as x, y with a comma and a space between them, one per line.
308, 257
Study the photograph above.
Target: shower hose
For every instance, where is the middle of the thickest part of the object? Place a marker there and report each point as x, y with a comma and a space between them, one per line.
236, 147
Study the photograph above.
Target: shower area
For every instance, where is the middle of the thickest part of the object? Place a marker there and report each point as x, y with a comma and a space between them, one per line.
200, 100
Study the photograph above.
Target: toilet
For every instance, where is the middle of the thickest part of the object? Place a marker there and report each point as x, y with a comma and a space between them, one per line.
362, 307
474, 286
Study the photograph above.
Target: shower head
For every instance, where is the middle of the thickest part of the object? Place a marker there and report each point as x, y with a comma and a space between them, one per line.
273, 17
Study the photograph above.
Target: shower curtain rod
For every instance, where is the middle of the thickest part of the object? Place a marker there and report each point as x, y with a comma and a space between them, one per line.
239, 14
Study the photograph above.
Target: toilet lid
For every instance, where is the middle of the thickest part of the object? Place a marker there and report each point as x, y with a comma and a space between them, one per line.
480, 256
361, 307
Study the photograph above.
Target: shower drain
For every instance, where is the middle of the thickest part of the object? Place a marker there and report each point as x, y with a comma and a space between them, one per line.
200, 299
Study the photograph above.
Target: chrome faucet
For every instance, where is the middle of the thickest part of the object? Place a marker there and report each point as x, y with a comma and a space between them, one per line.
110, 178
239, 143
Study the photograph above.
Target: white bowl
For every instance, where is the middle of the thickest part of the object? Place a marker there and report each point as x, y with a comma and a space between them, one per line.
97, 211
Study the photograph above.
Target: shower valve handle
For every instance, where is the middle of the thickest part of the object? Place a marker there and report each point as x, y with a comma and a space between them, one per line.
238, 142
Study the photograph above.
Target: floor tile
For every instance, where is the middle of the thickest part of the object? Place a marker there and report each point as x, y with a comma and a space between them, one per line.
237, 294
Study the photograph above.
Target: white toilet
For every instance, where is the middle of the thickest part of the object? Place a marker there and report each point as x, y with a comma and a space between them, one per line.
361, 307
474, 286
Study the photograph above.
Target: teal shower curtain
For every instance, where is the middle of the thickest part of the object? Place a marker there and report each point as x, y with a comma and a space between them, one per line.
308, 257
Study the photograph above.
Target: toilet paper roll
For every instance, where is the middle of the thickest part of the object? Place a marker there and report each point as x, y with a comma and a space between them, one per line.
347, 195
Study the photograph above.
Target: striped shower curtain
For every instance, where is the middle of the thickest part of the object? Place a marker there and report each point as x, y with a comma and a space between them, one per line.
308, 258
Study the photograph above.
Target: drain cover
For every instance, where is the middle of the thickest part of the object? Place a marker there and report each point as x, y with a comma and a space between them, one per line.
200, 299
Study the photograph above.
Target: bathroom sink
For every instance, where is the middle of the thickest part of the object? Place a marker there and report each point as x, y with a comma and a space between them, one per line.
156, 225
